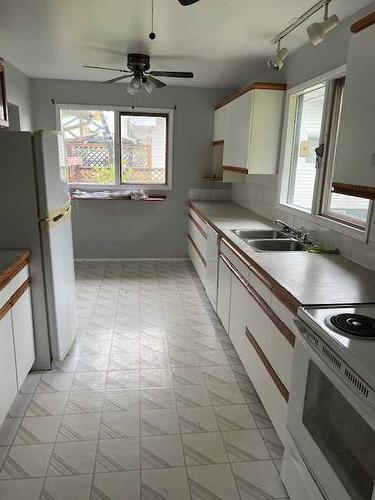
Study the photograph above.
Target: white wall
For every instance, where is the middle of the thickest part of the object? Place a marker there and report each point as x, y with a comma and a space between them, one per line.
123, 229
259, 194
19, 95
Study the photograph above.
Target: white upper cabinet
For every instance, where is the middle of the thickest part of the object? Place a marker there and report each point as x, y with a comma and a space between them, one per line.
354, 171
250, 126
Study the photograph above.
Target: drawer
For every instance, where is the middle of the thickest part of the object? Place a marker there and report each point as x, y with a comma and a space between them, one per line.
197, 261
249, 273
283, 313
271, 397
199, 239
13, 285
201, 222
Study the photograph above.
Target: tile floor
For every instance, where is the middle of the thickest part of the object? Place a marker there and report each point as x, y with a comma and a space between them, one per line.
152, 401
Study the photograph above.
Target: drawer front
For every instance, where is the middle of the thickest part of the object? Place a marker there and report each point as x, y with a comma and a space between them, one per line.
197, 262
271, 397
13, 285
200, 222
198, 238
248, 272
283, 313
275, 346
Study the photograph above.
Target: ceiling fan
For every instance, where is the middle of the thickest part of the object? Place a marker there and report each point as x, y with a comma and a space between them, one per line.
187, 2
141, 77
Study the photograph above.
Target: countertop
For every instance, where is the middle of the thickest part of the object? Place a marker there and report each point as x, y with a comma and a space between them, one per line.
11, 262
310, 279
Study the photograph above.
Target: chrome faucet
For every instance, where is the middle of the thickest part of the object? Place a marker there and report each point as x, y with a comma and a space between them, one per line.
286, 227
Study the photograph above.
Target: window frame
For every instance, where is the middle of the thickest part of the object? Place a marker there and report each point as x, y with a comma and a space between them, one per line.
318, 214
118, 186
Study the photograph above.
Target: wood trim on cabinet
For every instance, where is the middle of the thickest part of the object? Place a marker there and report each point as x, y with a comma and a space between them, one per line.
281, 327
197, 226
197, 250
16, 266
232, 168
248, 88
14, 298
276, 379
220, 142
367, 192
363, 23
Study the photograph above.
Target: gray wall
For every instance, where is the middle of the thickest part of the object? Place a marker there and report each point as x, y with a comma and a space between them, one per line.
19, 98
123, 229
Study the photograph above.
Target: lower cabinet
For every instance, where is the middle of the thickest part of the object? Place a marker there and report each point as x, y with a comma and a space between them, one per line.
8, 375
23, 335
223, 292
262, 341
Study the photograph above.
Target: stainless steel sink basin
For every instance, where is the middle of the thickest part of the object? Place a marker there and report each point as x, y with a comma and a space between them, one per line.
277, 245
258, 234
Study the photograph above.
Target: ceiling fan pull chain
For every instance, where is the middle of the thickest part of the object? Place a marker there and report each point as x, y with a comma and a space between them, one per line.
152, 35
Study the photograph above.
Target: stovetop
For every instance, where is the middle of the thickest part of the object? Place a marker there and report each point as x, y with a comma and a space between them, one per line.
339, 326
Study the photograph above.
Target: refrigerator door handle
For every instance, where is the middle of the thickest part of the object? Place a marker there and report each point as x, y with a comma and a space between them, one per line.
58, 218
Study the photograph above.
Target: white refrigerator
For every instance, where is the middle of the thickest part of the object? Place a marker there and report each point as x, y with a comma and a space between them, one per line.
35, 213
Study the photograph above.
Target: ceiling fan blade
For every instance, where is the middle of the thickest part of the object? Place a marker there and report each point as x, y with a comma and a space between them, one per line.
172, 74
108, 69
187, 2
158, 83
117, 79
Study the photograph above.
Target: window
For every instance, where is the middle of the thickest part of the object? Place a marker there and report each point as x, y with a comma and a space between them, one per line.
312, 124
116, 148
143, 148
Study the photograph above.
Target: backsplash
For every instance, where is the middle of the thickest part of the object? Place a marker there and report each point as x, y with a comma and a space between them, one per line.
259, 196
222, 192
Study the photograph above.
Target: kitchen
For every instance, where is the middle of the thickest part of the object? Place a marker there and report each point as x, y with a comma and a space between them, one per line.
225, 296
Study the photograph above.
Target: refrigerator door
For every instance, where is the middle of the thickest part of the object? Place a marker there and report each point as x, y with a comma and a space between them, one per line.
58, 264
51, 173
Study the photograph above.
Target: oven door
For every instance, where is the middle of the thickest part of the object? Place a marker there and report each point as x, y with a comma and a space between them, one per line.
333, 428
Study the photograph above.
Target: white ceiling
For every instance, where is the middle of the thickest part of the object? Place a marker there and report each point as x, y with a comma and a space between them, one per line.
224, 42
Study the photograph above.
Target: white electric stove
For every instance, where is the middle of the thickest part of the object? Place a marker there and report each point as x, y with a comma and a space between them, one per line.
330, 451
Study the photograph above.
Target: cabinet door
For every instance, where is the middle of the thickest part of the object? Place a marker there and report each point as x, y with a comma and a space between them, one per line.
224, 293
23, 334
239, 311
355, 156
236, 140
8, 379
220, 123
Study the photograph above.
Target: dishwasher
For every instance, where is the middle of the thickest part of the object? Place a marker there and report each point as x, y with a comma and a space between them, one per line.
212, 259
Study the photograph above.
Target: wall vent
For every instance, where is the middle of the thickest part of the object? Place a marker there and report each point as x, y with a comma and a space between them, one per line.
331, 358
356, 382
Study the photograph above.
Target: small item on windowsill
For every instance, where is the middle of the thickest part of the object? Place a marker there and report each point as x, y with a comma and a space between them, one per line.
325, 250
133, 194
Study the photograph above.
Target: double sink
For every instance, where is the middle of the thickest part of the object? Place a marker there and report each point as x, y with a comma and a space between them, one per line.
269, 240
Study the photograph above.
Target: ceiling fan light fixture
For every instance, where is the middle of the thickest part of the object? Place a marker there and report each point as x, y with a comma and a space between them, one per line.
134, 86
318, 31
276, 62
149, 85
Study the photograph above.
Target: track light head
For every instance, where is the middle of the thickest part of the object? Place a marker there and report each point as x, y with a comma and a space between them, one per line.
318, 31
276, 62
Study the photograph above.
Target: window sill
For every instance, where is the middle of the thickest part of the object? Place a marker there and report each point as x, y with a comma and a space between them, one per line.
339, 227
117, 198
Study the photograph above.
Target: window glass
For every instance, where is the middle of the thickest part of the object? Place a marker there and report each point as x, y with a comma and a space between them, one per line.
143, 148
89, 145
306, 138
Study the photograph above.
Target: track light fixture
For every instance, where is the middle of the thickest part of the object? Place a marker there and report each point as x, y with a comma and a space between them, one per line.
316, 32
276, 62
